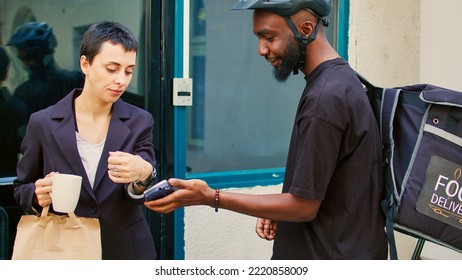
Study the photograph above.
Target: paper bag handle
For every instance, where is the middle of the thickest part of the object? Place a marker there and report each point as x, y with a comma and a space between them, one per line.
45, 212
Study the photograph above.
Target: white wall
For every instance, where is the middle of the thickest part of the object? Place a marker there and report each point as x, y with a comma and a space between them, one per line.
225, 235
441, 46
384, 41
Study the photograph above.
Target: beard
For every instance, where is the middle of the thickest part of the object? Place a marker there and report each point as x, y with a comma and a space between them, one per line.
289, 61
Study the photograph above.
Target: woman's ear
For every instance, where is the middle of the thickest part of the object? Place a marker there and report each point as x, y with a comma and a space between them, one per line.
84, 64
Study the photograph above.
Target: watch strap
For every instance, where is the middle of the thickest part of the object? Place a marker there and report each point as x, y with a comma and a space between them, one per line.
148, 182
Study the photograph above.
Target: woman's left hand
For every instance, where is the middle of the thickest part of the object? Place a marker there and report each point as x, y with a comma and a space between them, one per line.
125, 167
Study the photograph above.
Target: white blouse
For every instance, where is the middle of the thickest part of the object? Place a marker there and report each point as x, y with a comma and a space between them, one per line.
90, 154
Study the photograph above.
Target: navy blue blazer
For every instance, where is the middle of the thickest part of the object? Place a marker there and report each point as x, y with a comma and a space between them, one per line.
50, 145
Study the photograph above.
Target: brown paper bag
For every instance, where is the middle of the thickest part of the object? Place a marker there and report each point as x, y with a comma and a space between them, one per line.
47, 236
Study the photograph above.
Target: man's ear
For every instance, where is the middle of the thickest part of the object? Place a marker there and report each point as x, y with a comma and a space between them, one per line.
307, 28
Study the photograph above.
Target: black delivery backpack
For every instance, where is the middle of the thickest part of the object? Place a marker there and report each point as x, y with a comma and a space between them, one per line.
421, 130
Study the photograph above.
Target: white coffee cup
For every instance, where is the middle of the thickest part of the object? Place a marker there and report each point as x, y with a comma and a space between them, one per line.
65, 192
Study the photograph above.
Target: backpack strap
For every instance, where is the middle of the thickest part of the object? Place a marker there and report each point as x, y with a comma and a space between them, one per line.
388, 107
385, 110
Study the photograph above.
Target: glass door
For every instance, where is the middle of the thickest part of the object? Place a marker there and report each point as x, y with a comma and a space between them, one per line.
68, 20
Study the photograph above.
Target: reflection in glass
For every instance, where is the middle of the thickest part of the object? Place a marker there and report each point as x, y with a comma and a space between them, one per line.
41, 39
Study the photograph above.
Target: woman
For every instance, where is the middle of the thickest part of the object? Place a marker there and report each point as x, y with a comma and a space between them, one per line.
93, 133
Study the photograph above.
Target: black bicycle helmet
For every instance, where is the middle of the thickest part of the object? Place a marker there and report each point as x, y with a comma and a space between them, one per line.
34, 37
286, 7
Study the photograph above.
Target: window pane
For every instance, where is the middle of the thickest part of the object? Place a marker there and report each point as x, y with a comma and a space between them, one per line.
241, 117
54, 54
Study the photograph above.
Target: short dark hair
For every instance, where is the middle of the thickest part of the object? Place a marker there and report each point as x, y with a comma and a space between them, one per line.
4, 64
106, 31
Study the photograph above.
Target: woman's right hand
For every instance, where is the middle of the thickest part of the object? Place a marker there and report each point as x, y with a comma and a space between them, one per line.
43, 190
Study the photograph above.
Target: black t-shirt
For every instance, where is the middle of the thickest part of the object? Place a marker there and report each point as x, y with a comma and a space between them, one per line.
334, 157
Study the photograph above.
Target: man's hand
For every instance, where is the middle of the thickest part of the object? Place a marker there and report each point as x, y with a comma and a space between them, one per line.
266, 229
190, 192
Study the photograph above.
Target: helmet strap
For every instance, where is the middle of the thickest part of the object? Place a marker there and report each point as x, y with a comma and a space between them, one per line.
303, 41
